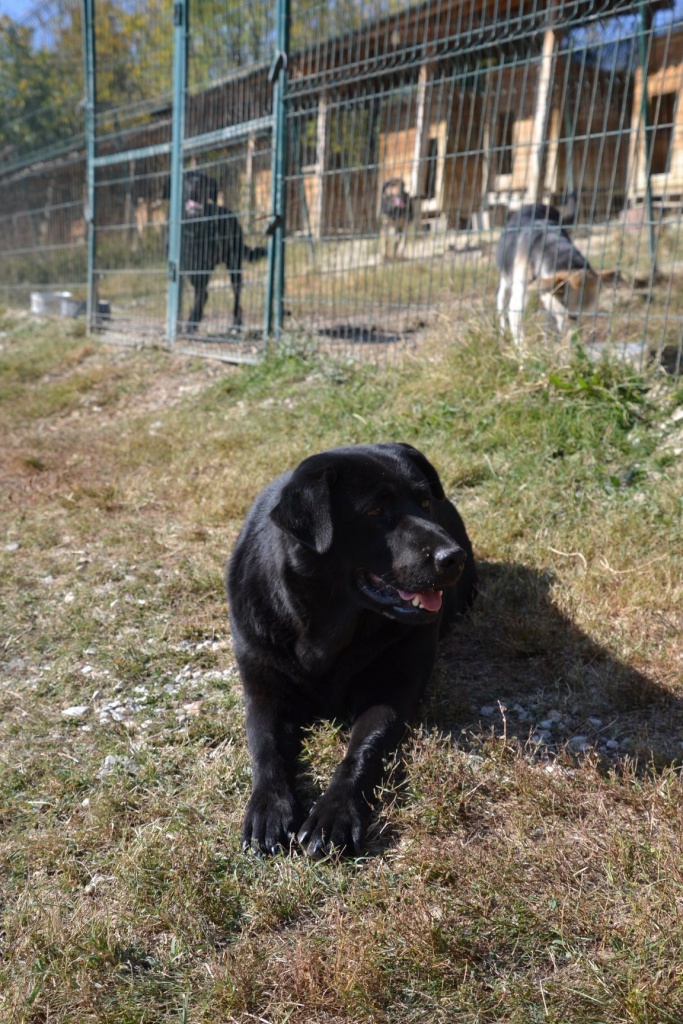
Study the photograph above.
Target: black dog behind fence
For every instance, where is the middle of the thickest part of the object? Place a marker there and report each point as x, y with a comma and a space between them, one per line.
211, 235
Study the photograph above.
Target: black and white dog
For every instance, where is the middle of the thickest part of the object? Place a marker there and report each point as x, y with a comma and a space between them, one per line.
211, 234
536, 248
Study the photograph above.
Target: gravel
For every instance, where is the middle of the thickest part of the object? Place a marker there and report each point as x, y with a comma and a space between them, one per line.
551, 729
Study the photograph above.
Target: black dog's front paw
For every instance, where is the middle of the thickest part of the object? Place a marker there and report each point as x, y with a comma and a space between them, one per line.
271, 821
336, 824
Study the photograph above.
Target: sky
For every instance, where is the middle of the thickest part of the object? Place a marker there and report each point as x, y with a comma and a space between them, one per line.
16, 8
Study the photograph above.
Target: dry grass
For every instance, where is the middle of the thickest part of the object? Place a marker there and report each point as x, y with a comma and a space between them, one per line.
512, 876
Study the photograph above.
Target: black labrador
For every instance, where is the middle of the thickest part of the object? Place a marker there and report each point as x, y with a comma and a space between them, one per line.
345, 574
211, 234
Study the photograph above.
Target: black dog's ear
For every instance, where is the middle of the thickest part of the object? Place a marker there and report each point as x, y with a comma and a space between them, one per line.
305, 508
426, 468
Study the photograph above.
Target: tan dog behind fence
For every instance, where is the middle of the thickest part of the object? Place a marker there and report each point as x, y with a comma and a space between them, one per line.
396, 213
567, 294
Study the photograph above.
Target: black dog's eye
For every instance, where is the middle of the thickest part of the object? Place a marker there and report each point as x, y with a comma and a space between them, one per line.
376, 510
425, 503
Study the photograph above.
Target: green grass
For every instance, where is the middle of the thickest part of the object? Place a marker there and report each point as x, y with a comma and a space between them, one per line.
506, 881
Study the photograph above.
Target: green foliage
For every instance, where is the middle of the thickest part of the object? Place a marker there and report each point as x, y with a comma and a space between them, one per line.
38, 98
41, 80
605, 381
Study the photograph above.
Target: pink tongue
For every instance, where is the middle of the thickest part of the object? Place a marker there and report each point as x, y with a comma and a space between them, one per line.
431, 599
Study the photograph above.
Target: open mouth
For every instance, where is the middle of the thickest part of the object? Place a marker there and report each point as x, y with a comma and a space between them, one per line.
403, 601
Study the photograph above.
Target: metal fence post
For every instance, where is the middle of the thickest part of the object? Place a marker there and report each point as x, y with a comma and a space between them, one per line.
89, 82
181, 16
644, 32
276, 228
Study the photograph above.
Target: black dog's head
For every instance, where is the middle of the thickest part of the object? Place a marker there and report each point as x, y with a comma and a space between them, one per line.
200, 194
396, 201
374, 518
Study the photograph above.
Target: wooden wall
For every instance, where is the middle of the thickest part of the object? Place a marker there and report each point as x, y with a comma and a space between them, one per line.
664, 84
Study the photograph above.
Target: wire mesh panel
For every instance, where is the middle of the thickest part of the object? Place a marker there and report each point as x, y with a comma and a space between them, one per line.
42, 236
227, 151
416, 136
42, 163
516, 165
134, 50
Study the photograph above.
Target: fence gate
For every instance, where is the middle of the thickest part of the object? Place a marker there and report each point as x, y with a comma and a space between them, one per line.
180, 194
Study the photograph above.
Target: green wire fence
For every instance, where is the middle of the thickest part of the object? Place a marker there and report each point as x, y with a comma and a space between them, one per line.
216, 174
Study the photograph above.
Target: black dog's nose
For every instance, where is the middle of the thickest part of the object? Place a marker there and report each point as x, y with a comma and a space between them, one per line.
448, 559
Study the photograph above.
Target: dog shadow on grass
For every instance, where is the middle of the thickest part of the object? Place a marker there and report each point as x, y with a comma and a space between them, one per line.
518, 667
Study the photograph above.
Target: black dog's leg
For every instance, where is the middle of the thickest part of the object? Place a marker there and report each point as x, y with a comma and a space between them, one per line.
236, 279
339, 818
200, 283
273, 813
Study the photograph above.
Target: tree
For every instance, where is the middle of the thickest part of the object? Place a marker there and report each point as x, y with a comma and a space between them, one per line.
40, 106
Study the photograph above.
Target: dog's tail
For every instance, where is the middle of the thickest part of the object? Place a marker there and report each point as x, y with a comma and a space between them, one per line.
574, 278
258, 252
611, 276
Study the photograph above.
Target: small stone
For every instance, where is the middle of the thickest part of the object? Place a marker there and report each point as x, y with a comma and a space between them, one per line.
77, 711
12, 546
547, 723
577, 742
112, 762
612, 745
541, 736
595, 722
487, 710
94, 882
193, 708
